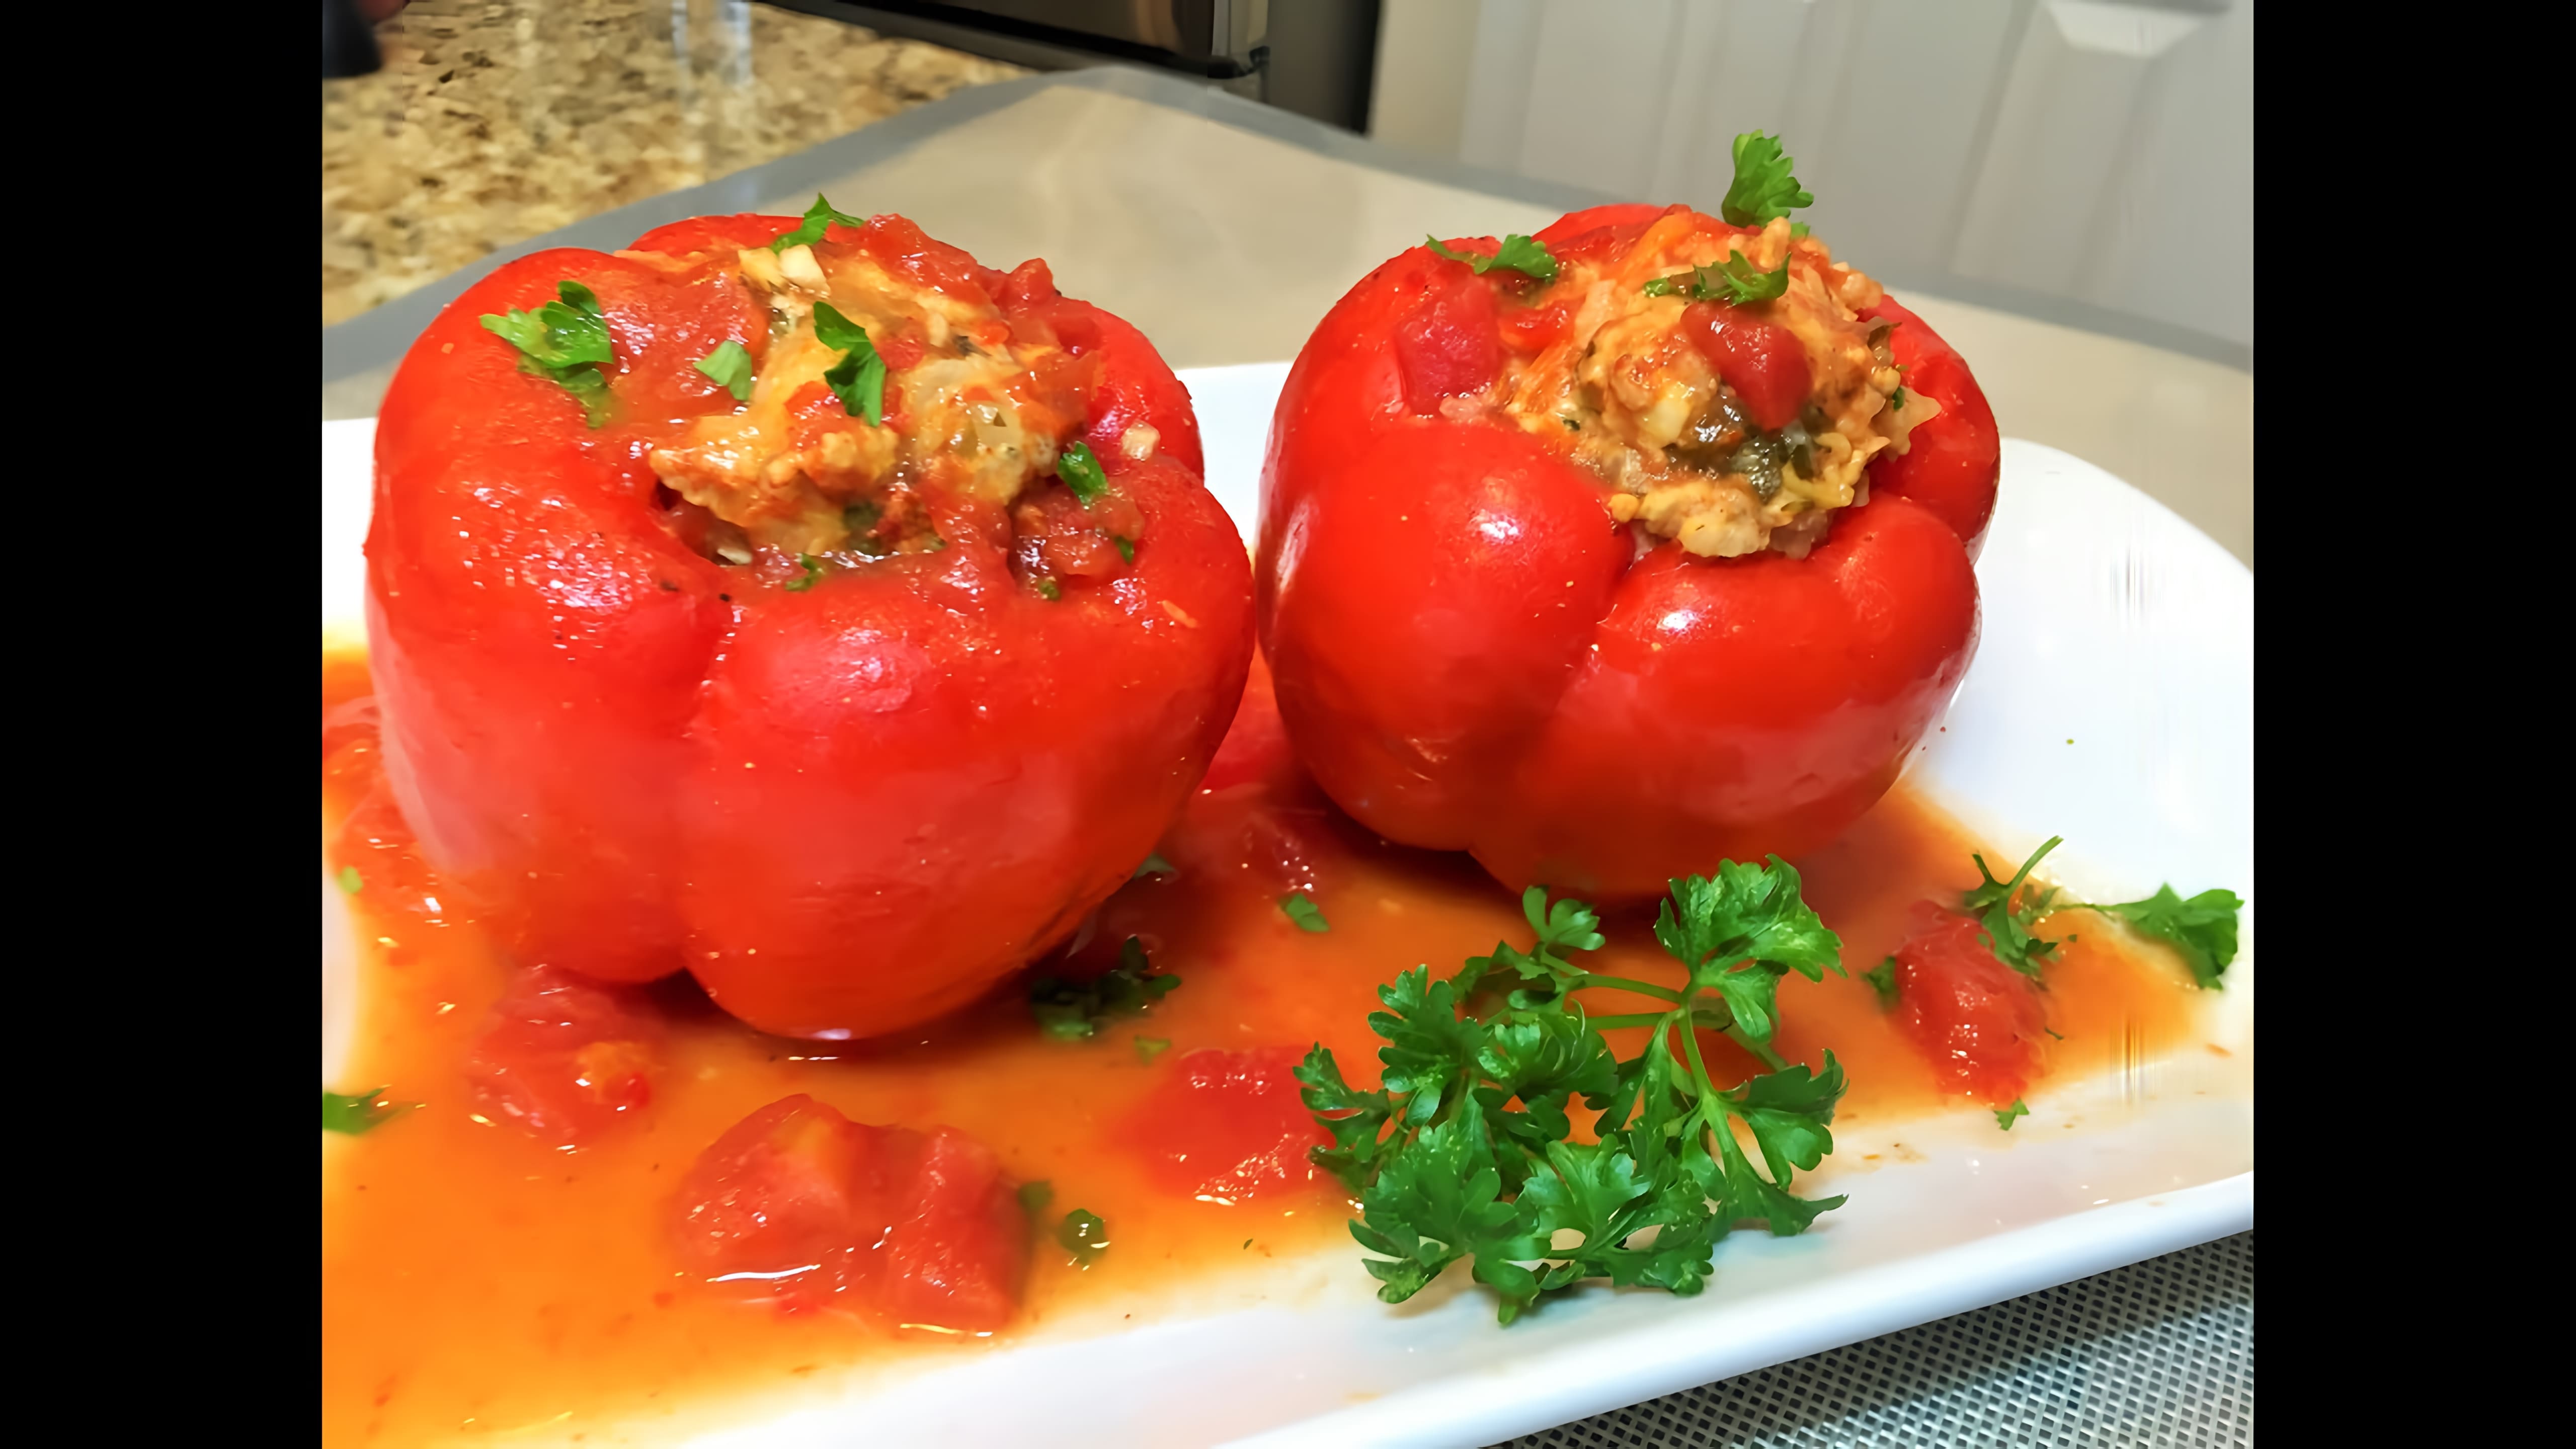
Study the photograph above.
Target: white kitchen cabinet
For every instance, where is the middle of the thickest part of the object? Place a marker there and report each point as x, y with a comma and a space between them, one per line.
2086, 161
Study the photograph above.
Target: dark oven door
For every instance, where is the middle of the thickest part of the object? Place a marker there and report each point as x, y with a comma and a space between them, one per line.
1199, 30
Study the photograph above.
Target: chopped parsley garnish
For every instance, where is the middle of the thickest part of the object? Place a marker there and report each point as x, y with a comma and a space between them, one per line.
1526, 255
2006, 1117
1034, 1196
858, 379
1079, 467
1126, 547
1733, 280
362, 1113
566, 343
2007, 930
1077, 1010
1051, 591
2202, 928
1882, 979
818, 219
1084, 1235
1763, 188
1150, 1047
1301, 908
1155, 865
350, 881
1447, 1168
730, 366
1896, 400
813, 568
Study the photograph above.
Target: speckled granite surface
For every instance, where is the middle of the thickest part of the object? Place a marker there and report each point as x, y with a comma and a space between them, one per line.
495, 120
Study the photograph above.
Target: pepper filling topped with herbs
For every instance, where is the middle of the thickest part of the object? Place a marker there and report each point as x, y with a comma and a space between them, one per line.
888, 408
1720, 378
872, 392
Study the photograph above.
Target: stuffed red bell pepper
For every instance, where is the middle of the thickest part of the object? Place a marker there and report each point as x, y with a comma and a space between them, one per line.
805, 604
1621, 550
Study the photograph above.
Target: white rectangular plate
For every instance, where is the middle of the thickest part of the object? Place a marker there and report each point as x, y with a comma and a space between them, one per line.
2112, 702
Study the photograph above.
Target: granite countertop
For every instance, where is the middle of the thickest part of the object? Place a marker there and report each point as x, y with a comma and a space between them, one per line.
497, 120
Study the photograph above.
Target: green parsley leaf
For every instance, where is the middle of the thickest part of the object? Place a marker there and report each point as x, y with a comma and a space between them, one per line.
1882, 979
1080, 469
1150, 1047
858, 379
1078, 1010
350, 881
1447, 1168
1763, 188
1084, 1235
565, 342
1797, 230
2201, 929
2011, 1114
1301, 908
1746, 913
1733, 281
730, 366
1126, 547
1034, 1196
1356, 1119
1154, 865
813, 568
1526, 255
818, 219
1050, 590
2007, 930
1896, 400
362, 1113
569, 332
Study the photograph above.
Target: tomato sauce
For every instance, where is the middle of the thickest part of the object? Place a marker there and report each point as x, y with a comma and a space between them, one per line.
478, 1280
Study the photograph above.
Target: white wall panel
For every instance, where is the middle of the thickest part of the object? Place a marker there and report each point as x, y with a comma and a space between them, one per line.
2084, 149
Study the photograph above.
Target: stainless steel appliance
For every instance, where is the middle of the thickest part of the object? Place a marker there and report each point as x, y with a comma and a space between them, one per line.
1314, 57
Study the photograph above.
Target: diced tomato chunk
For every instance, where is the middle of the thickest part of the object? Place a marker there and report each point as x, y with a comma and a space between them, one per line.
564, 1058
960, 1247
799, 1205
1764, 363
1229, 1126
1975, 1019
1452, 347
773, 1200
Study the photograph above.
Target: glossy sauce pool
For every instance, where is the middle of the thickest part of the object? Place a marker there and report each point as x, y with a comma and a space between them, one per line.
479, 1285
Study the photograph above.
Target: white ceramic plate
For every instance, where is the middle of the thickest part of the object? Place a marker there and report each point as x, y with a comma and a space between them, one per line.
2112, 702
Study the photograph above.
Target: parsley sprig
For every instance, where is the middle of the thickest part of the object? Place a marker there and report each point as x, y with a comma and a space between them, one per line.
1763, 188
1078, 1010
2007, 927
858, 379
566, 343
2201, 928
818, 220
1448, 1167
1734, 280
1527, 255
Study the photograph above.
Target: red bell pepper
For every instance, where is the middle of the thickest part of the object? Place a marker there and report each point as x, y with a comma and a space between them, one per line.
1559, 564
846, 635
